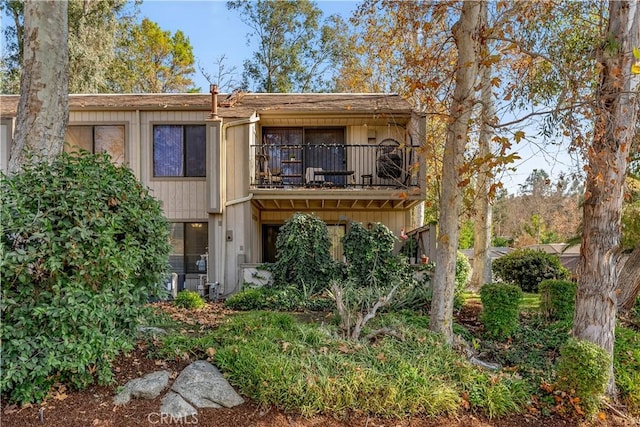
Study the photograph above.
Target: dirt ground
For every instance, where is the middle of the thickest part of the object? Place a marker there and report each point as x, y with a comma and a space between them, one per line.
94, 407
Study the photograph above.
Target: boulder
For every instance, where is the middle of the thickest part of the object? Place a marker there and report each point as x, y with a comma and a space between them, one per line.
176, 407
147, 387
203, 386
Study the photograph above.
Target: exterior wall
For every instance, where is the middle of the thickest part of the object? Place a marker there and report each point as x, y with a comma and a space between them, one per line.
6, 135
223, 198
236, 238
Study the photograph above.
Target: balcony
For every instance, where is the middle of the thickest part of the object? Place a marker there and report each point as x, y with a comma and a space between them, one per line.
331, 177
388, 165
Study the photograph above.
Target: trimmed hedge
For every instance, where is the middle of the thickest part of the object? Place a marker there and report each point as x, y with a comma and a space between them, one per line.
583, 371
557, 299
529, 267
501, 309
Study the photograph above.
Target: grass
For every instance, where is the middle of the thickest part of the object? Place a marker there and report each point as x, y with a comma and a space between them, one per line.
530, 301
306, 367
277, 360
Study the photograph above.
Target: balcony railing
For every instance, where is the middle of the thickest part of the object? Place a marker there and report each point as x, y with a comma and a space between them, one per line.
329, 166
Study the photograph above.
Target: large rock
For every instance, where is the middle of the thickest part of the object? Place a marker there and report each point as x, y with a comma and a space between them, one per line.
203, 386
176, 407
148, 387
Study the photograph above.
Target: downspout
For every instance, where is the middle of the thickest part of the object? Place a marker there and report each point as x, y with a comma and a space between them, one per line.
225, 127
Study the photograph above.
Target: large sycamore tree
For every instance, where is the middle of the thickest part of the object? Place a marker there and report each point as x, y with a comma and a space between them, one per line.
616, 113
465, 33
43, 110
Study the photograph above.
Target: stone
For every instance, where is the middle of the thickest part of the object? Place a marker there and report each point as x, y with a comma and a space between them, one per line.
147, 387
176, 407
202, 385
151, 330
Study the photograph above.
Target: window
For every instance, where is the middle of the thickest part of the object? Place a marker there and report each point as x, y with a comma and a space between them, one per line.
179, 150
97, 139
270, 236
189, 240
320, 148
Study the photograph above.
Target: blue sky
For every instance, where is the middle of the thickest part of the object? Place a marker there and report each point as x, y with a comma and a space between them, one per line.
213, 30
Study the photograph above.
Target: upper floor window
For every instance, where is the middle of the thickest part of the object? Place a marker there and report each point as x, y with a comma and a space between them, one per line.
97, 139
179, 150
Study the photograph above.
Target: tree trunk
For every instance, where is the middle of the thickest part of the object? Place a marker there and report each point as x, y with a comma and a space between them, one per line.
43, 110
629, 281
465, 33
483, 210
616, 115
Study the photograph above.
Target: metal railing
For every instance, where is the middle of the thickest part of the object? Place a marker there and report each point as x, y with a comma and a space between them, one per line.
330, 166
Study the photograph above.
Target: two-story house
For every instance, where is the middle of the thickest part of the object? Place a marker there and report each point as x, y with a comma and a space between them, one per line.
230, 169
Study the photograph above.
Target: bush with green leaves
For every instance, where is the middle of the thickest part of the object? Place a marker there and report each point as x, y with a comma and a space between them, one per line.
84, 245
370, 258
583, 371
500, 309
189, 299
626, 365
375, 276
529, 267
557, 299
302, 254
278, 299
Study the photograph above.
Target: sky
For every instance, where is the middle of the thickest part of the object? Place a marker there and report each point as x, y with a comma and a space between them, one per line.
213, 30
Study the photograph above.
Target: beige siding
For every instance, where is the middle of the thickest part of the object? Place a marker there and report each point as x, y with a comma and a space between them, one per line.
182, 198
394, 220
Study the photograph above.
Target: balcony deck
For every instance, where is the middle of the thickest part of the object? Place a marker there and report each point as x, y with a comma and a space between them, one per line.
319, 177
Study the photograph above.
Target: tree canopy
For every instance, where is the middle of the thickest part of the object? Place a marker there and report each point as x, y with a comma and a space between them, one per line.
109, 50
295, 50
152, 60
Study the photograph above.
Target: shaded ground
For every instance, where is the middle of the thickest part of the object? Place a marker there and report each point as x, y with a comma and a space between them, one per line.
93, 406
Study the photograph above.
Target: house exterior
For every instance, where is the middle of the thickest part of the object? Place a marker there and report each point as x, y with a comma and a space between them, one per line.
231, 169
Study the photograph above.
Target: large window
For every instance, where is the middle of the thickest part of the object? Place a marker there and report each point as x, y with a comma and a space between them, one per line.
189, 240
292, 151
179, 150
97, 139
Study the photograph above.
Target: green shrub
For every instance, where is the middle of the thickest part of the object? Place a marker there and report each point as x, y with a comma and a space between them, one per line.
278, 299
189, 299
500, 308
557, 299
583, 371
463, 275
302, 254
84, 246
627, 367
370, 258
529, 267
375, 276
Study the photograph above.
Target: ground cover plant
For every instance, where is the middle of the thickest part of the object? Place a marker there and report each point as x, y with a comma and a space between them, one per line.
277, 359
84, 246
